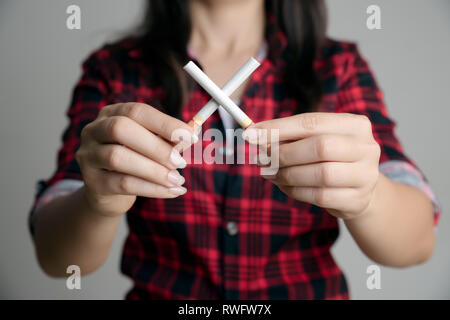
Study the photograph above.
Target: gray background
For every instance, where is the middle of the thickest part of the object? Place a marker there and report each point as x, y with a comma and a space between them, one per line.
40, 63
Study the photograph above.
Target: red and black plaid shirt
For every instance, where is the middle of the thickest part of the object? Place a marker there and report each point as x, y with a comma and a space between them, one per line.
233, 235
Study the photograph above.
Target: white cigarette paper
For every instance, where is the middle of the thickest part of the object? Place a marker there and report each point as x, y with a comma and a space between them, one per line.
229, 88
220, 97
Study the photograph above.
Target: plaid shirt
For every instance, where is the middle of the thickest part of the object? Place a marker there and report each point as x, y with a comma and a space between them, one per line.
234, 235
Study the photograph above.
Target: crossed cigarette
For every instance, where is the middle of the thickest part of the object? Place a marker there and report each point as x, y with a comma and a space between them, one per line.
221, 96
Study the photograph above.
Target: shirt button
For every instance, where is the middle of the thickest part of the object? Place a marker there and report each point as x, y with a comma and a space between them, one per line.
232, 228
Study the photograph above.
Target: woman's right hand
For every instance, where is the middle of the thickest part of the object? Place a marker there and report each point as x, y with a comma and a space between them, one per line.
128, 151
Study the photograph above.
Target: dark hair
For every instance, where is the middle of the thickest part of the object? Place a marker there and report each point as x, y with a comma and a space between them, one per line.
167, 28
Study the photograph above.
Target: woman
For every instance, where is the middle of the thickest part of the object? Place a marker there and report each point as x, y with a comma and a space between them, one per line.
223, 230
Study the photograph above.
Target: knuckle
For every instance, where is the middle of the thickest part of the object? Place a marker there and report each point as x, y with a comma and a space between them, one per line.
82, 156
103, 111
285, 176
323, 146
323, 198
319, 196
365, 123
114, 157
350, 115
326, 174
86, 131
125, 184
308, 121
364, 119
79, 156
116, 126
134, 110
377, 150
280, 152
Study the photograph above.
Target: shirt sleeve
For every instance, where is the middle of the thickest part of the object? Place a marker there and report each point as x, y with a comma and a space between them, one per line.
403, 172
359, 93
89, 96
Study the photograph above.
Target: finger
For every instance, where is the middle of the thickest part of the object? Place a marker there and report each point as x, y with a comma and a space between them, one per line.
169, 128
118, 183
124, 131
120, 159
321, 148
309, 124
326, 174
328, 198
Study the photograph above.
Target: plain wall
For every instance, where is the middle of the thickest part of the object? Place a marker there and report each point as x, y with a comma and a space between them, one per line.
40, 63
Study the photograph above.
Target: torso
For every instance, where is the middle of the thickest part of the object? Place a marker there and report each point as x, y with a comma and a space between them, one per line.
186, 247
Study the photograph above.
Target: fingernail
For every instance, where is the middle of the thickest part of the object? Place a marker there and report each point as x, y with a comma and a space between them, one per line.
177, 160
178, 191
176, 178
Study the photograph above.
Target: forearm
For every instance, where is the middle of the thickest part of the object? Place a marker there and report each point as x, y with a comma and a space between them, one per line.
397, 227
67, 232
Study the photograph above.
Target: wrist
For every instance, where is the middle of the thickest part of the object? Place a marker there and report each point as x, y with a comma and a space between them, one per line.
370, 210
94, 207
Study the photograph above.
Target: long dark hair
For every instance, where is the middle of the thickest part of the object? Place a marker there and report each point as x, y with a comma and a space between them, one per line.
167, 28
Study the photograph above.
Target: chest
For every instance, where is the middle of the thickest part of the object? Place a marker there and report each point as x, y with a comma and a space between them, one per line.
223, 187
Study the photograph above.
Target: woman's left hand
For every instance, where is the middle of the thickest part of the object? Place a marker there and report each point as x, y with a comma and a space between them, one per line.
326, 159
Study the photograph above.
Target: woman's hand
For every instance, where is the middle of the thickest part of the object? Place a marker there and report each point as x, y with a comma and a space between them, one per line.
128, 151
326, 159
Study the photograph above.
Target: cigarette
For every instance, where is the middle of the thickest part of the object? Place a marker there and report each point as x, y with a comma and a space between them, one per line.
218, 95
235, 82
